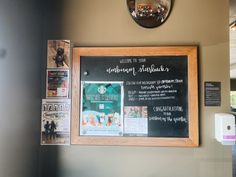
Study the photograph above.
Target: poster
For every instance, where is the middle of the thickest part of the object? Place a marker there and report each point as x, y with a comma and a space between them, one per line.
101, 108
55, 122
135, 121
58, 54
57, 83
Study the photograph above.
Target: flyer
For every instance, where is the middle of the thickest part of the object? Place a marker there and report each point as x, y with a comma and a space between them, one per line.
55, 122
135, 121
57, 83
58, 54
101, 108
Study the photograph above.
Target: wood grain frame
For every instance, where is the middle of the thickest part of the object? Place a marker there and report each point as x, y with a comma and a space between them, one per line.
190, 51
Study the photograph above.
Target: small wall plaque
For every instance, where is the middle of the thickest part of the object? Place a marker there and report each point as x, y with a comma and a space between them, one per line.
212, 93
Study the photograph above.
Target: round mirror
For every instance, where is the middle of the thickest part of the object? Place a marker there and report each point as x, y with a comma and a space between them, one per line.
149, 13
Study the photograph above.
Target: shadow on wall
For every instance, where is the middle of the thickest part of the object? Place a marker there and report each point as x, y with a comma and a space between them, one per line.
3, 53
48, 166
52, 27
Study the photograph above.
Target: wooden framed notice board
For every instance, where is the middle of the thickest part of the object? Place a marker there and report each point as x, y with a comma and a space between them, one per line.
144, 96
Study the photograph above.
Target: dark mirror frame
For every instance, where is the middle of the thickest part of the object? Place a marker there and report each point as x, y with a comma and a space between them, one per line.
149, 13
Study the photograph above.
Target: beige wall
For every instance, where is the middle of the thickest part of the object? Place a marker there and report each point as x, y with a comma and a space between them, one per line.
107, 23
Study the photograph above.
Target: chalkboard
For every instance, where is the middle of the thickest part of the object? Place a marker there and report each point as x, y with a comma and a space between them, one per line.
155, 93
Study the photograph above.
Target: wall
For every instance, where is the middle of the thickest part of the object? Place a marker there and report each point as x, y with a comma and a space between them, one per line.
107, 23
20, 75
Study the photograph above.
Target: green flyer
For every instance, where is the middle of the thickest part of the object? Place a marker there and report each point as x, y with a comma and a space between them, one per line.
101, 108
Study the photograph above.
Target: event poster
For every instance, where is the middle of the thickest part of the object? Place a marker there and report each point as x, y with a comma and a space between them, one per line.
101, 108
57, 83
55, 122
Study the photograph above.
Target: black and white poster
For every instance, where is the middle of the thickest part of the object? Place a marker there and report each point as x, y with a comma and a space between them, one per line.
55, 122
212, 93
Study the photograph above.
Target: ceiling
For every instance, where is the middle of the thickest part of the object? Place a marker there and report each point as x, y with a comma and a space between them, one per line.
232, 17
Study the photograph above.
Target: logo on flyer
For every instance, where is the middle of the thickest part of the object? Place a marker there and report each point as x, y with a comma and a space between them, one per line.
102, 89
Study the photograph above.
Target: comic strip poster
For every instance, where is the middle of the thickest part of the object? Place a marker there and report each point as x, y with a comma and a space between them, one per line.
101, 108
55, 122
135, 121
58, 54
57, 83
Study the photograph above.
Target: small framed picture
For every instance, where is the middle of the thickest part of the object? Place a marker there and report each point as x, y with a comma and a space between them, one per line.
57, 83
58, 54
55, 122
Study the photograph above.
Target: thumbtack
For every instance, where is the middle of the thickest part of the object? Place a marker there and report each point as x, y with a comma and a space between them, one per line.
86, 73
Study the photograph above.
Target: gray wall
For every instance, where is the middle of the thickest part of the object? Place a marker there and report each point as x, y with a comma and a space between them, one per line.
20, 82
107, 23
